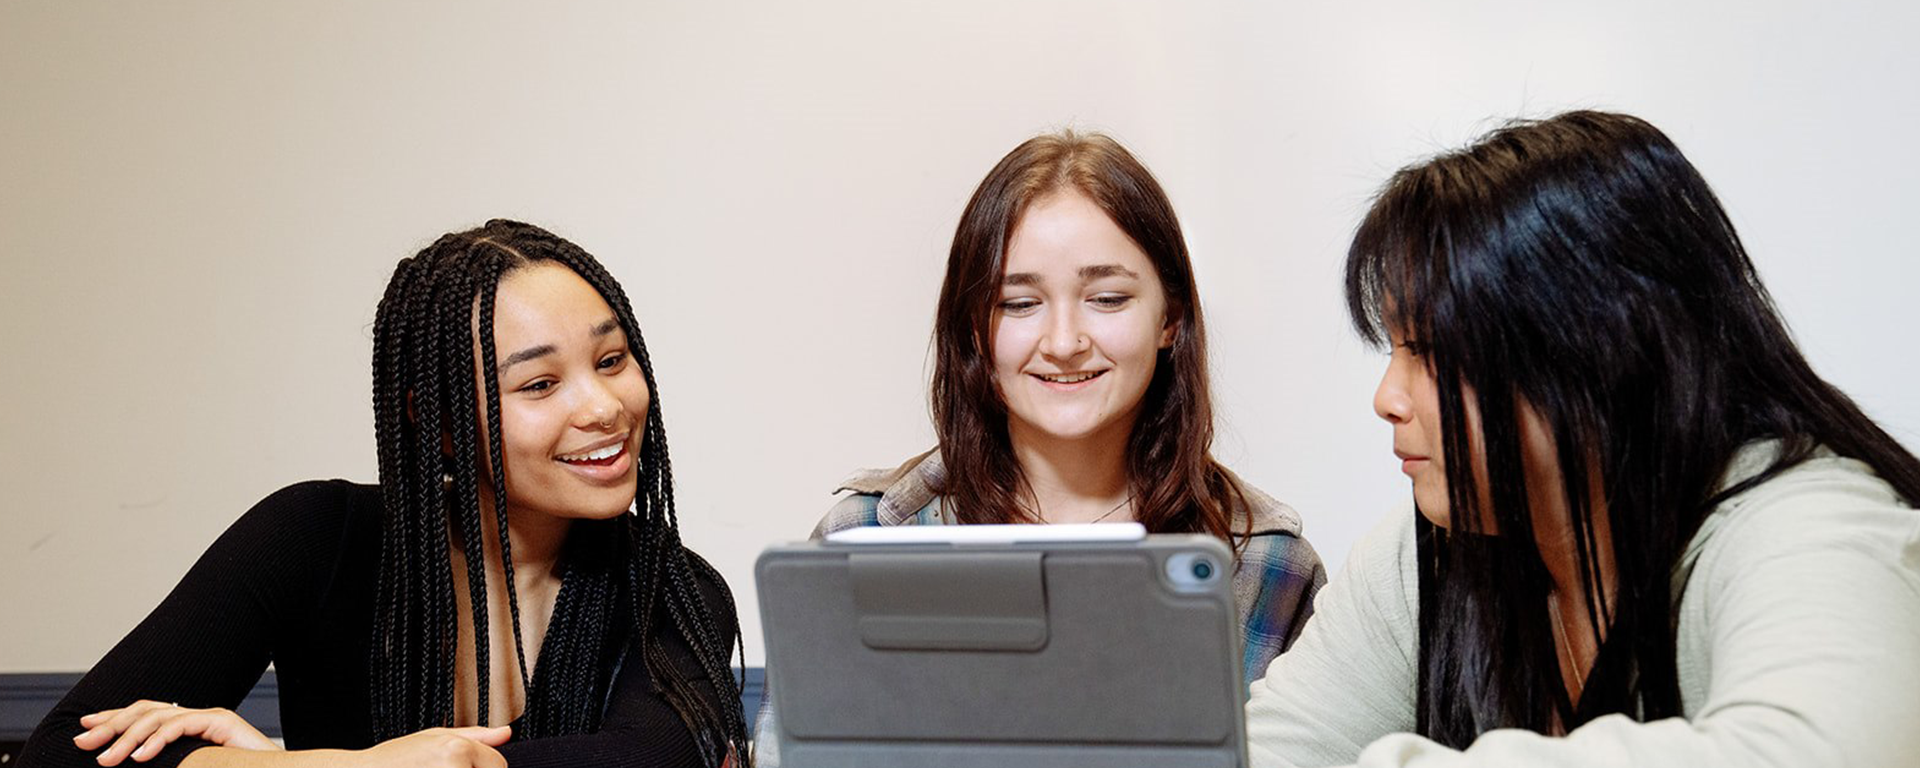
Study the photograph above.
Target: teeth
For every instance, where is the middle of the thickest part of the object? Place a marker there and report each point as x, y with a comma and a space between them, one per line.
1069, 378
596, 455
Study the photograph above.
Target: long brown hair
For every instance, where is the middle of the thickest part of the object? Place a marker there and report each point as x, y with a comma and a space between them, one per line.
1176, 484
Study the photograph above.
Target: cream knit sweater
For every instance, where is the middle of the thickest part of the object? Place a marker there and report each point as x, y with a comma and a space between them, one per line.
1798, 645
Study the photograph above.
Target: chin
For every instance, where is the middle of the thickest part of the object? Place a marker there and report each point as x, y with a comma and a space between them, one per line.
608, 511
1434, 510
1070, 433
1070, 426
602, 508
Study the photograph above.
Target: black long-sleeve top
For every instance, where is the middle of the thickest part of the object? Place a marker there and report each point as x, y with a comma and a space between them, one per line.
292, 582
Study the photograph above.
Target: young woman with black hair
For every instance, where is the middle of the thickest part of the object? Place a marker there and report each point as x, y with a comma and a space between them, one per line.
456, 615
1070, 384
1647, 533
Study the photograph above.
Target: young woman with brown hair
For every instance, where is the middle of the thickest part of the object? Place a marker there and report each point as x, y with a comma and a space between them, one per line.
1070, 383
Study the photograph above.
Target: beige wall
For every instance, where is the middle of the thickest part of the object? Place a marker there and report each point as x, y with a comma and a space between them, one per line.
201, 201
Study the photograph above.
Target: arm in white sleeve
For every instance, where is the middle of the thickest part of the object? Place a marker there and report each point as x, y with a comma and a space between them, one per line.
1350, 677
1800, 629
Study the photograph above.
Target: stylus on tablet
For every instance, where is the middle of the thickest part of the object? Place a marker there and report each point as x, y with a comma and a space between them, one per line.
989, 534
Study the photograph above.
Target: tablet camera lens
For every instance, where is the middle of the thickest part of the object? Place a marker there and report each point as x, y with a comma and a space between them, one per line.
1193, 572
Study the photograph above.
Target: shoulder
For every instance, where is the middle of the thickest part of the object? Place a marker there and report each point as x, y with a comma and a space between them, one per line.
1376, 595
893, 496
1263, 513
1275, 544
879, 481
1383, 569
1802, 594
316, 515
1825, 506
328, 499
854, 510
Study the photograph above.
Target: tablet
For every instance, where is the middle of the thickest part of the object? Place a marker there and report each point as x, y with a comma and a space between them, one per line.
984, 648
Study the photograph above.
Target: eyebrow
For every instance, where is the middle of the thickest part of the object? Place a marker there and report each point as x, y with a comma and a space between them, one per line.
610, 325
1097, 271
524, 355
1089, 272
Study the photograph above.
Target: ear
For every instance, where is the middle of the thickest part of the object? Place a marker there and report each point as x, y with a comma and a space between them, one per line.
1169, 331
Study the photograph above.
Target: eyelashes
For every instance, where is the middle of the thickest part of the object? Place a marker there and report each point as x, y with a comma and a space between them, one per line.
1104, 302
613, 363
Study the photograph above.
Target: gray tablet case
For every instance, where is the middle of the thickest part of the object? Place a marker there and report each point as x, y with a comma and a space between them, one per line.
1004, 656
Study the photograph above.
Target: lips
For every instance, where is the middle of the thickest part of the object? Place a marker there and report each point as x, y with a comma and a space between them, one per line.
1067, 381
600, 457
601, 454
1410, 463
607, 464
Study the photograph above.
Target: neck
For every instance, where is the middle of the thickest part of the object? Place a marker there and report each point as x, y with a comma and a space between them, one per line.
1559, 545
1576, 603
1075, 480
536, 540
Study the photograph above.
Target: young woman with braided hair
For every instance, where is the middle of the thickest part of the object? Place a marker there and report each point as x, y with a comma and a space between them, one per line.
453, 614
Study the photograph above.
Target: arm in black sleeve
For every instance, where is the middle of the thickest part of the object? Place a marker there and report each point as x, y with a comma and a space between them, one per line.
640, 729
209, 641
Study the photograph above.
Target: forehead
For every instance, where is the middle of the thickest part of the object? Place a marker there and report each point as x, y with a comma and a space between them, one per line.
1065, 231
545, 303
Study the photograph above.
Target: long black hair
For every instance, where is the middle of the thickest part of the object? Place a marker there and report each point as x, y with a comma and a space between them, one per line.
1580, 267
624, 580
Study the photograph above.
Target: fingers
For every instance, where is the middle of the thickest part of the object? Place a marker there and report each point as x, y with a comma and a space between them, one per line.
146, 727
467, 747
220, 726
228, 729
89, 721
492, 737
141, 724
104, 725
97, 734
486, 757
173, 728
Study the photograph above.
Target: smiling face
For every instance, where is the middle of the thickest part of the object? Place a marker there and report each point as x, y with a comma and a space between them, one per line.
573, 402
1079, 325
